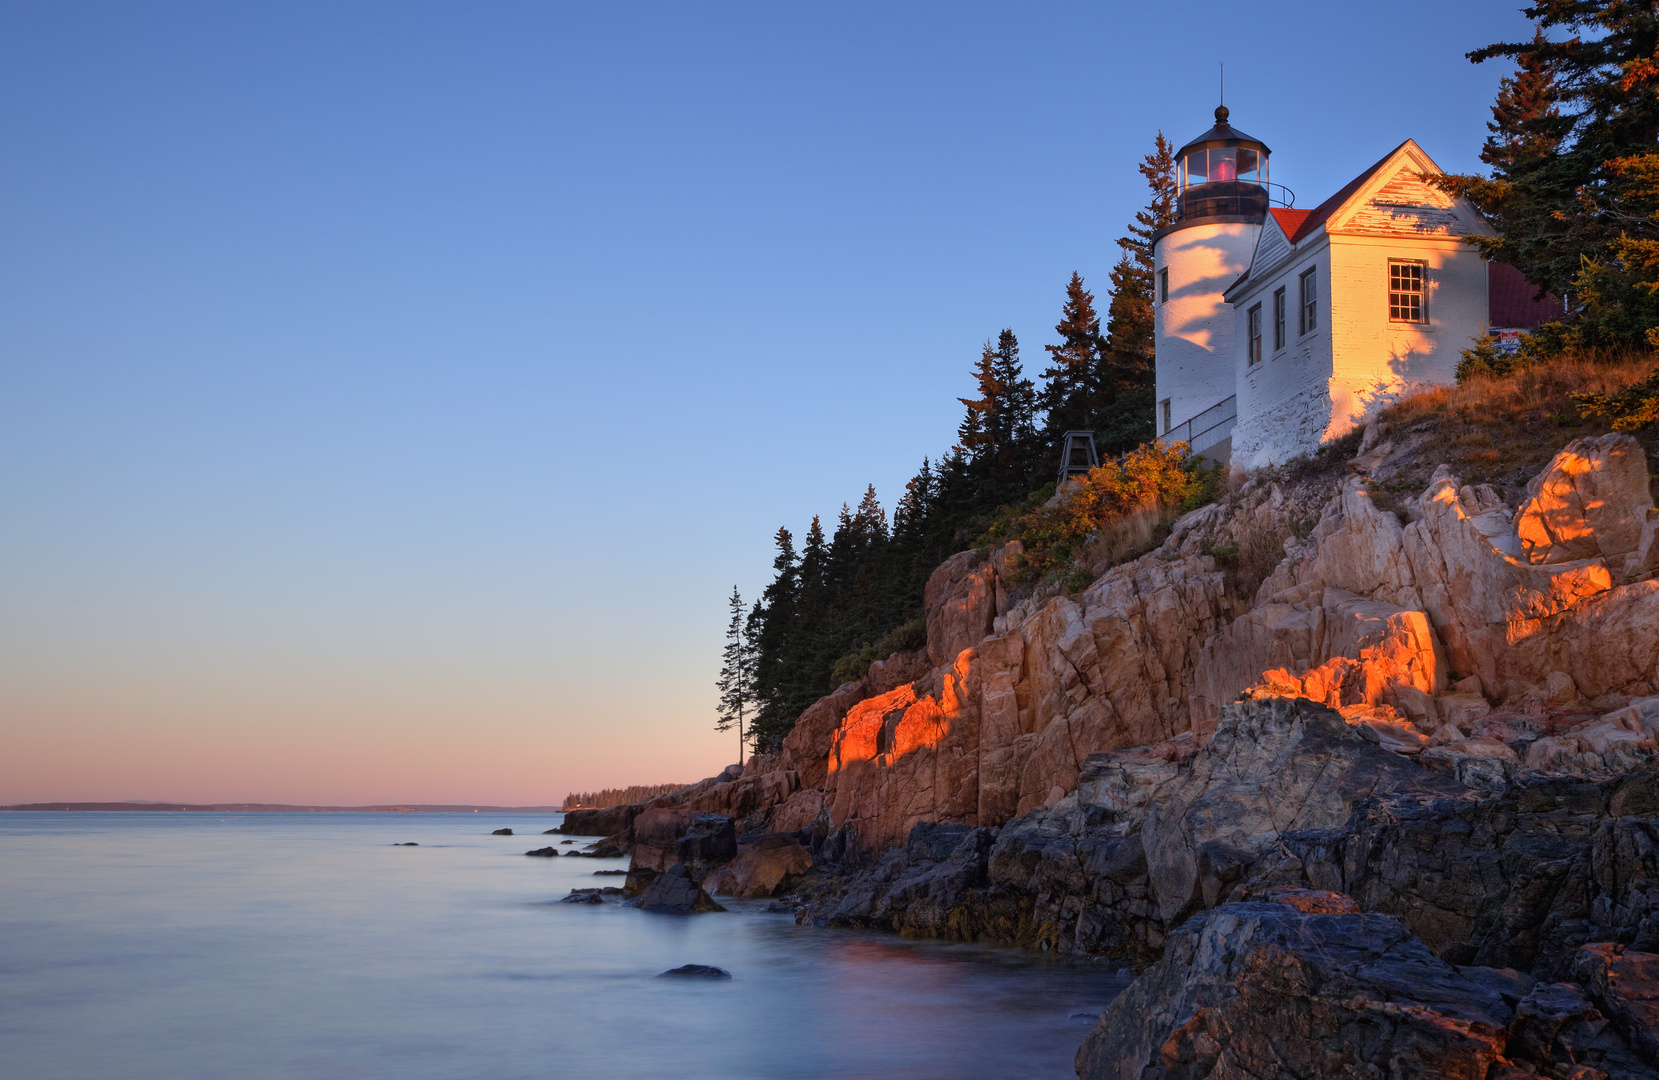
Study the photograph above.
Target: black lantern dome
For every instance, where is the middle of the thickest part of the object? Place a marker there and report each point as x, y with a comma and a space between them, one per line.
1222, 175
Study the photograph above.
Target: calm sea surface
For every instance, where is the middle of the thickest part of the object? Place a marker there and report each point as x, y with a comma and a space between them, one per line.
183, 945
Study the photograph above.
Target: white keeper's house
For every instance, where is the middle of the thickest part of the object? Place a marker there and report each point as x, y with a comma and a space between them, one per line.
1279, 329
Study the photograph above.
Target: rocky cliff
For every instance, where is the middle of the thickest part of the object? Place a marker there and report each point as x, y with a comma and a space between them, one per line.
1431, 724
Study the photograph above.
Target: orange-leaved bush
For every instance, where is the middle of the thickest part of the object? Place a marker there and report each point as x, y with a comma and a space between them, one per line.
1151, 476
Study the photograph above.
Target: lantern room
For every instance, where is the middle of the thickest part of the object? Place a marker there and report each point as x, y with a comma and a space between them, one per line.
1223, 174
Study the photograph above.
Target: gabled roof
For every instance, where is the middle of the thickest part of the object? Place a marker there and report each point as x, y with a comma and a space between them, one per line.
1320, 214
1290, 221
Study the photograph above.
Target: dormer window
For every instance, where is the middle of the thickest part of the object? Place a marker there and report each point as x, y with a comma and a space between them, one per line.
1405, 291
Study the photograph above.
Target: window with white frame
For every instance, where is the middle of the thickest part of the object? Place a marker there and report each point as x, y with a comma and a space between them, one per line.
1254, 316
1163, 415
1405, 290
1279, 318
1307, 310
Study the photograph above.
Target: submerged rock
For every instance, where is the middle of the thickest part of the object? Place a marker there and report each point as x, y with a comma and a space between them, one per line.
696, 971
502, 832
409, 843
546, 852
590, 896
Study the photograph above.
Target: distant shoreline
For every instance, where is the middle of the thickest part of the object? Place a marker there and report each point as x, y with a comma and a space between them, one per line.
268, 808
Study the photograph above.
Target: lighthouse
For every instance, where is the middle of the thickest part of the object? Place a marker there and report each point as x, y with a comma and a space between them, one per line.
1223, 200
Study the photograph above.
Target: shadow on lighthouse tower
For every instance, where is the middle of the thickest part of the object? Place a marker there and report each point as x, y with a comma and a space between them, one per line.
1224, 196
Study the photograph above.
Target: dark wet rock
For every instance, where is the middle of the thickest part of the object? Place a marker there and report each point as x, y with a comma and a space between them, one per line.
563, 841
552, 832
1152, 835
1519, 878
409, 843
590, 896
600, 850
710, 841
696, 971
546, 852
1261, 989
675, 892
502, 832
606, 873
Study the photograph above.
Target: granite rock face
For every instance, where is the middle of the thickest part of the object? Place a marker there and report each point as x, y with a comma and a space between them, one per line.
1263, 989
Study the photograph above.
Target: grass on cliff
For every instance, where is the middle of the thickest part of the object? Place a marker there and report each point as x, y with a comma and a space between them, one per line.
1503, 429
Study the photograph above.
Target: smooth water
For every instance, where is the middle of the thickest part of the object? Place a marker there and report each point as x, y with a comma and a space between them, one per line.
304, 945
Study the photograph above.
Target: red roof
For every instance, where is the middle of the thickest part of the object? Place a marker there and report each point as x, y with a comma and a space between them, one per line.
1290, 220
1513, 302
1312, 219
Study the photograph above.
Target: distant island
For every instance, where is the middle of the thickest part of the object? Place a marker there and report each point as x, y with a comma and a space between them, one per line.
246, 808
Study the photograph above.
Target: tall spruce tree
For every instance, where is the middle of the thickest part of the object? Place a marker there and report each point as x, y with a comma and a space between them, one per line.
1128, 361
737, 677
1572, 192
1073, 382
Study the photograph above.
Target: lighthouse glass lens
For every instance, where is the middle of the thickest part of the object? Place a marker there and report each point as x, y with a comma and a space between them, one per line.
1197, 171
1222, 165
1248, 163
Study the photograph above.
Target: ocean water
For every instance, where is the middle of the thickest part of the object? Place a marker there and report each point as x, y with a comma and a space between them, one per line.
190, 945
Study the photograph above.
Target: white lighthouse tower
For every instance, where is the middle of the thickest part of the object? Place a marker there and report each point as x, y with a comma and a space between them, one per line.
1223, 201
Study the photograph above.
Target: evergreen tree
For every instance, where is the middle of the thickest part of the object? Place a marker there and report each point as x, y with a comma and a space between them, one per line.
1573, 155
1127, 419
737, 676
776, 636
1071, 395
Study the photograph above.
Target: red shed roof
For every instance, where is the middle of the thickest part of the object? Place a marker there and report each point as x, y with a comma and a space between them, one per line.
1513, 302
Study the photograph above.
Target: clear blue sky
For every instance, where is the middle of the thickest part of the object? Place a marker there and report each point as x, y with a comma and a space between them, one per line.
391, 394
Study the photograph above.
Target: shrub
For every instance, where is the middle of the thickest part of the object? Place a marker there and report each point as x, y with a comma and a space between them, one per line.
1149, 477
1630, 409
854, 666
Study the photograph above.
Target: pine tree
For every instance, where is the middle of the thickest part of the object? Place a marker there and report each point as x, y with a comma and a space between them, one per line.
1072, 383
1129, 373
737, 677
1572, 151
776, 637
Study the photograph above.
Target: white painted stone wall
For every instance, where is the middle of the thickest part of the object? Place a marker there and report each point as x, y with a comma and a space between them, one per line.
1376, 359
1195, 332
1284, 402
1324, 384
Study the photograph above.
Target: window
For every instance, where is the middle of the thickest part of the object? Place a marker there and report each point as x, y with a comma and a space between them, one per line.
1255, 317
1163, 415
1279, 317
1307, 312
1163, 285
1405, 291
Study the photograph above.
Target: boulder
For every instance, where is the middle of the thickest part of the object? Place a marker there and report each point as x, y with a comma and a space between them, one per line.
1625, 984
695, 971
761, 869
502, 832
675, 892
546, 852
1263, 989
1591, 501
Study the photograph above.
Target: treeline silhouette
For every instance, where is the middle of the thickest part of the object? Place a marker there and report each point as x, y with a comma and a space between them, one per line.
855, 595
587, 800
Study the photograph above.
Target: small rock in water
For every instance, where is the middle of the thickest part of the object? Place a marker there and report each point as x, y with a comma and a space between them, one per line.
696, 971
547, 852
567, 841
549, 832
602, 873
411, 843
502, 832
591, 896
